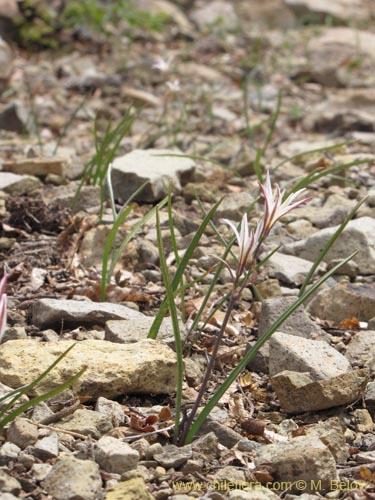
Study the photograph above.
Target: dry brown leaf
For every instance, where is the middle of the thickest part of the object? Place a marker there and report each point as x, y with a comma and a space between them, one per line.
350, 324
165, 414
253, 426
142, 424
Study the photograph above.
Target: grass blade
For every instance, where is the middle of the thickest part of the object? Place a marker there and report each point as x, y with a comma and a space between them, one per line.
176, 329
38, 399
181, 269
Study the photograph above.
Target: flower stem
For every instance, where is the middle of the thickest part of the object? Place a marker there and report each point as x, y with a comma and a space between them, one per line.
187, 424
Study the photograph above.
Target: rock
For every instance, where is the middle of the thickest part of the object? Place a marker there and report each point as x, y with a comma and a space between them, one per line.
86, 422
47, 447
115, 456
298, 323
361, 350
256, 15
343, 301
202, 190
112, 410
17, 185
218, 13
359, 234
233, 206
337, 10
229, 474
37, 166
73, 479
331, 433
207, 445
363, 420
363, 41
129, 172
225, 435
13, 118
112, 369
9, 484
301, 459
288, 268
298, 392
9, 453
41, 471
174, 456
289, 352
133, 330
48, 313
133, 489
345, 110
258, 493
22, 432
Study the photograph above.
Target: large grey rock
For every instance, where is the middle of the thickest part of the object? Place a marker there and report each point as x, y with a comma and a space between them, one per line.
301, 459
17, 185
331, 433
129, 172
51, 312
112, 369
359, 235
299, 392
73, 479
343, 301
289, 352
361, 350
216, 13
22, 432
115, 456
298, 323
288, 268
128, 331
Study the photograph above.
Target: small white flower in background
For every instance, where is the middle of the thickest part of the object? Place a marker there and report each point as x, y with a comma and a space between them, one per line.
174, 85
275, 207
161, 64
3, 307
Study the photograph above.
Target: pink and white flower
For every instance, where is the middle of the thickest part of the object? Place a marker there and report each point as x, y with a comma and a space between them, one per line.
3, 307
275, 207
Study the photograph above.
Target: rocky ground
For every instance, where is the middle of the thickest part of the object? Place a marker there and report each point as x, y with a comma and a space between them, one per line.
219, 81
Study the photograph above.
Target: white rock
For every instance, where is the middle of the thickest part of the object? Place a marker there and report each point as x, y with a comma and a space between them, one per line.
288, 268
115, 456
47, 447
216, 13
129, 172
362, 41
288, 352
72, 479
112, 369
359, 235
